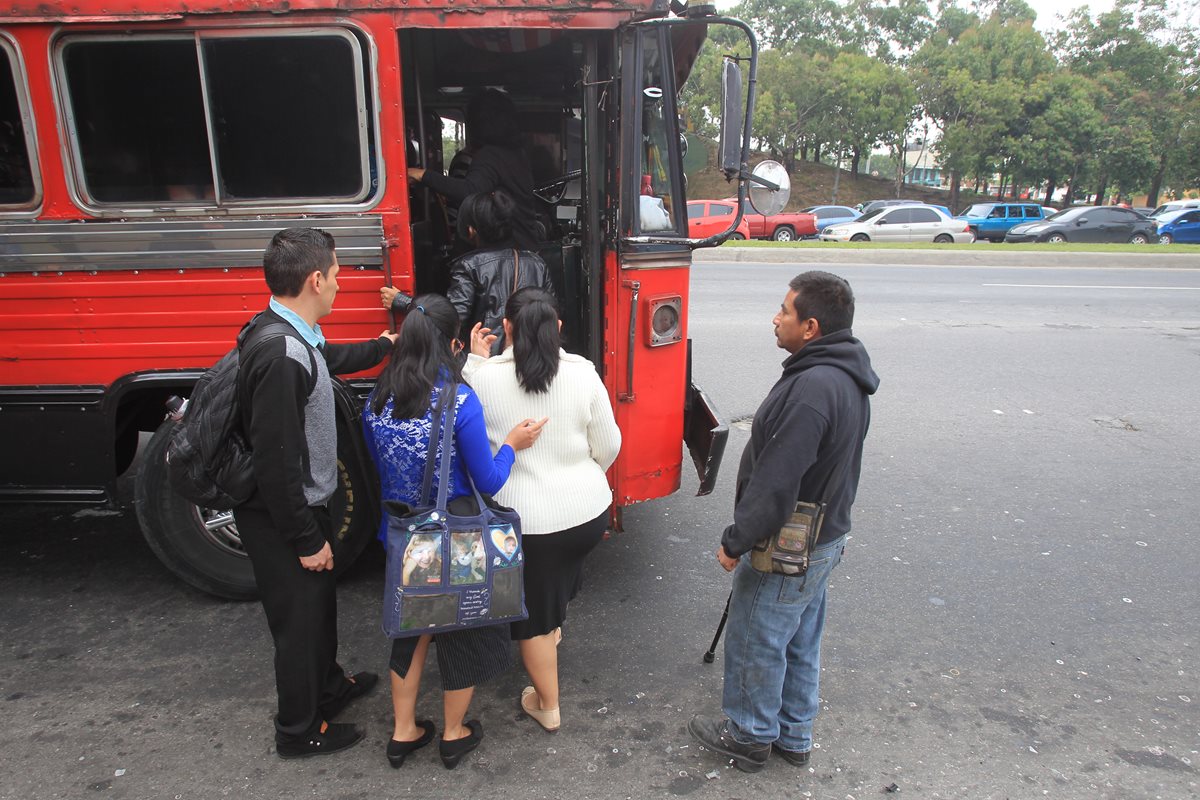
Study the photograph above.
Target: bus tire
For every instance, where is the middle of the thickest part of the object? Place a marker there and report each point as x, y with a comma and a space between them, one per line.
202, 546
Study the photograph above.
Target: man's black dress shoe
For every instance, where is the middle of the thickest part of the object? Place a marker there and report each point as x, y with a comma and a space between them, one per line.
329, 739
714, 733
794, 757
453, 752
398, 751
362, 683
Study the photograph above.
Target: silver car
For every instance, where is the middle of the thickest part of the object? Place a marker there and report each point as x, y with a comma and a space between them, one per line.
911, 223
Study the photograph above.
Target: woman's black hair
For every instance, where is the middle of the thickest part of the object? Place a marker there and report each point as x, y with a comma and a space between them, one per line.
422, 352
492, 119
533, 314
490, 214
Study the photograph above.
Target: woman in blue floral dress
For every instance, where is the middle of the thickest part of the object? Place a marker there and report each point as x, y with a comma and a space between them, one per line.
397, 422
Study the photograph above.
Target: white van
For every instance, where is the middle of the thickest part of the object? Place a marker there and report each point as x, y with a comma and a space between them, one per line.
1174, 205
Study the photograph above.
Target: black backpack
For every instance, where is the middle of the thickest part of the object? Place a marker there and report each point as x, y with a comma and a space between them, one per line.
208, 459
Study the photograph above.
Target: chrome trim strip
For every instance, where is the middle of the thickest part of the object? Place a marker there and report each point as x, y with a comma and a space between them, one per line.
21, 86
668, 260
173, 244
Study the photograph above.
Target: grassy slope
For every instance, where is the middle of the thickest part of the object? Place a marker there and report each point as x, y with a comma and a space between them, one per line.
812, 184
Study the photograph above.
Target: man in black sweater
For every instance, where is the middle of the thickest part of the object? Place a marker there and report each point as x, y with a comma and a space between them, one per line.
287, 405
806, 445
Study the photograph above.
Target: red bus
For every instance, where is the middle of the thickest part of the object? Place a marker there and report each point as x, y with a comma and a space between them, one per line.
149, 150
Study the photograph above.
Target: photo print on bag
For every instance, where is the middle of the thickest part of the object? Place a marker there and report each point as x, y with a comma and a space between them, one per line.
466, 557
423, 560
505, 540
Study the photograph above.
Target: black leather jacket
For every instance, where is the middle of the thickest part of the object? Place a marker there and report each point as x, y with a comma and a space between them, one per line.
482, 281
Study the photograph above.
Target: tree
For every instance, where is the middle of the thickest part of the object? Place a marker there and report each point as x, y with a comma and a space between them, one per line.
973, 82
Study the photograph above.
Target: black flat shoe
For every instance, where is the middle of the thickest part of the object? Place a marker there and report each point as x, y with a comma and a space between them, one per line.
398, 751
360, 684
331, 738
453, 752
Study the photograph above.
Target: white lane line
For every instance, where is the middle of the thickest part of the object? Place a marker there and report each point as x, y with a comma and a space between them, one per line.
1081, 286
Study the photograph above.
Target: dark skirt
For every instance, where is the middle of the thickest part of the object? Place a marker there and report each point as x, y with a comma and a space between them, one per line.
466, 658
554, 574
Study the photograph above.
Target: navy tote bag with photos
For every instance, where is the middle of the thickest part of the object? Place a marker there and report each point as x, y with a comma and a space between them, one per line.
450, 566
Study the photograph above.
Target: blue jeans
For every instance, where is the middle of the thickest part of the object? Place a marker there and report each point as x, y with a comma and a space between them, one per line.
773, 651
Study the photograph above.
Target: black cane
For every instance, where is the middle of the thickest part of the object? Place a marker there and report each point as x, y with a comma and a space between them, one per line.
712, 648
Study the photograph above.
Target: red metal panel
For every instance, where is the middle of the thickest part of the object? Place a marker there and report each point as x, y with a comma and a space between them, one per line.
92, 329
651, 421
421, 13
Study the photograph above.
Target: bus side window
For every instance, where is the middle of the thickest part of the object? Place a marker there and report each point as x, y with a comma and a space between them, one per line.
18, 186
286, 114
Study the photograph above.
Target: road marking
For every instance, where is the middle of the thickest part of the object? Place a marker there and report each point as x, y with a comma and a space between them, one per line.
1081, 286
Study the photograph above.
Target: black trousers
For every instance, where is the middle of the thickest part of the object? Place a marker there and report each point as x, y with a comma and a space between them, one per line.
301, 607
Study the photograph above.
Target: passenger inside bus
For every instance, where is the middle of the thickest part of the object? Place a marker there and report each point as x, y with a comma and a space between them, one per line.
525, 132
498, 161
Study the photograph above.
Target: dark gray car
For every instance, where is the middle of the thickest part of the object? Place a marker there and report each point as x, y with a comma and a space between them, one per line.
1109, 224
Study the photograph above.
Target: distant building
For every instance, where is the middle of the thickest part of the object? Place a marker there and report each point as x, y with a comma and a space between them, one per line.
920, 166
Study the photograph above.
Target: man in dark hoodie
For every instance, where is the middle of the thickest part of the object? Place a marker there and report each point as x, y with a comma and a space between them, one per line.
287, 403
806, 444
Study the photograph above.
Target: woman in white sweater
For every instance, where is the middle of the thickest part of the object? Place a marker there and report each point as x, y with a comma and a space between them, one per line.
559, 487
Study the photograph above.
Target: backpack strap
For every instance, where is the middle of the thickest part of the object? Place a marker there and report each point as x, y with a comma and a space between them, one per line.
273, 330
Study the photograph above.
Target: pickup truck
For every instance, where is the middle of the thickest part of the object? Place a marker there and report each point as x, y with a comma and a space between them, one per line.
992, 220
787, 226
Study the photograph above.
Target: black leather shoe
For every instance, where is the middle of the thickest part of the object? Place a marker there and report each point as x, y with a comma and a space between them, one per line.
361, 684
453, 752
714, 733
398, 751
794, 757
329, 739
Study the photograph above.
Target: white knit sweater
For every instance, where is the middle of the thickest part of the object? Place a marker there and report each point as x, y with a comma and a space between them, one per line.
559, 482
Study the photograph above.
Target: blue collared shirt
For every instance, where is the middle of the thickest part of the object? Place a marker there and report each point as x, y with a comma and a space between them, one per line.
313, 336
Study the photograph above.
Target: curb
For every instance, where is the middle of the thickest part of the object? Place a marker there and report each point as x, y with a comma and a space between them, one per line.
986, 257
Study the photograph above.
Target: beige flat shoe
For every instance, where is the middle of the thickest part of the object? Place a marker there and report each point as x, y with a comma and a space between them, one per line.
547, 718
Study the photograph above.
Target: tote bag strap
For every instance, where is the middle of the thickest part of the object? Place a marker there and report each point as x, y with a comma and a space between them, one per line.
437, 425
516, 270
447, 445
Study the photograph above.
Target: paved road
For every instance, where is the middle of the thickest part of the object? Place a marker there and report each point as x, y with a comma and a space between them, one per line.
1016, 617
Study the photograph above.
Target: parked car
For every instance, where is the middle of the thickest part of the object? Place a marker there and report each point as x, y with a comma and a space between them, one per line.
1182, 225
786, 226
1174, 205
992, 220
910, 223
1111, 224
871, 205
706, 217
831, 215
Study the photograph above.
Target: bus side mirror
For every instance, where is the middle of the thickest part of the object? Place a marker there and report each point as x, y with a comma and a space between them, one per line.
730, 148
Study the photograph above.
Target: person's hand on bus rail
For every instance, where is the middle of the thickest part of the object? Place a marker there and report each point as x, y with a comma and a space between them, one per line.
415, 174
320, 560
391, 336
394, 300
481, 340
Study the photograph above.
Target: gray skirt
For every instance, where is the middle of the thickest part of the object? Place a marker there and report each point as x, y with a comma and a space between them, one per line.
466, 658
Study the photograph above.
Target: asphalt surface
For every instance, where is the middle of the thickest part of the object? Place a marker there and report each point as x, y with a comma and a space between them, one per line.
1016, 616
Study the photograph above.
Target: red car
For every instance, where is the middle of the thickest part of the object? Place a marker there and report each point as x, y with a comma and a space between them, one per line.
706, 217
787, 226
